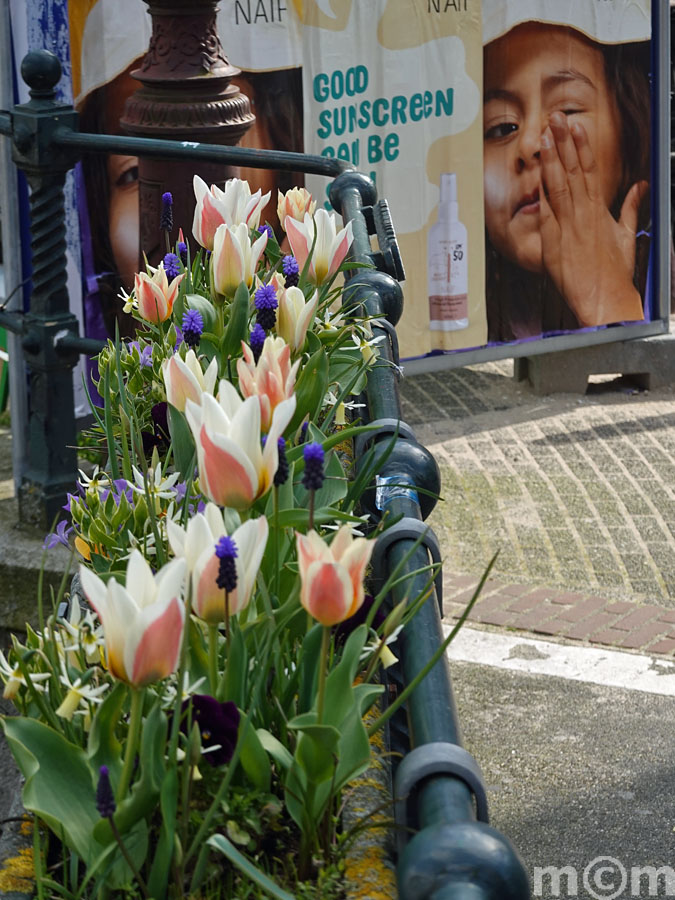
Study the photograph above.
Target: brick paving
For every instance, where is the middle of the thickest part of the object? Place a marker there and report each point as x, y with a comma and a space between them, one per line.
576, 493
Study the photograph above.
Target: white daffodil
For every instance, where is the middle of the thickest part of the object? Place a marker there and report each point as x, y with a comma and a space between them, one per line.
385, 655
86, 635
128, 300
14, 678
367, 347
331, 400
77, 694
155, 486
97, 482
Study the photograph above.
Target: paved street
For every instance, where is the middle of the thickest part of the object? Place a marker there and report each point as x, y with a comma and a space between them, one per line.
563, 675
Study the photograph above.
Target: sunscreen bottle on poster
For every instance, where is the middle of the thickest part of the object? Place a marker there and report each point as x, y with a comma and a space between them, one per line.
447, 269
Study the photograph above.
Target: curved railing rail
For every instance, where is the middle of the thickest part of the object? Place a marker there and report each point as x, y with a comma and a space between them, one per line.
440, 797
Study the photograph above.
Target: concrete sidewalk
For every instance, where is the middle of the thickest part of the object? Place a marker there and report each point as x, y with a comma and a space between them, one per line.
576, 493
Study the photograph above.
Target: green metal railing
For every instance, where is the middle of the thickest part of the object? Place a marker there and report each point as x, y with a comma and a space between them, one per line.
441, 798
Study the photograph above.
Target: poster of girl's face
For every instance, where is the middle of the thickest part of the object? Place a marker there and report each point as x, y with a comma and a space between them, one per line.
566, 152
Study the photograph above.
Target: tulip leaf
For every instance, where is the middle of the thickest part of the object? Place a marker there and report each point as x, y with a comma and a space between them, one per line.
59, 785
311, 647
354, 752
103, 747
223, 845
316, 751
310, 388
237, 326
280, 754
333, 489
199, 657
236, 667
299, 518
182, 443
204, 307
253, 758
145, 790
339, 683
161, 865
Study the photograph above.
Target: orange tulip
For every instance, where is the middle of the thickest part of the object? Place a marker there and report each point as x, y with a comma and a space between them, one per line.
332, 575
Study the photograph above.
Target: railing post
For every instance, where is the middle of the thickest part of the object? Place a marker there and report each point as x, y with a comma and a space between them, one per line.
51, 464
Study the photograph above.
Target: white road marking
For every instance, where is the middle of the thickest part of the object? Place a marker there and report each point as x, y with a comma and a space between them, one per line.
595, 665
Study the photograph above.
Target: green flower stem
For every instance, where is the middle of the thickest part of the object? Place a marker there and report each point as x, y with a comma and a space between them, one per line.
135, 718
213, 658
227, 622
175, 724
323, 666
275, 545
137, 875
310, 521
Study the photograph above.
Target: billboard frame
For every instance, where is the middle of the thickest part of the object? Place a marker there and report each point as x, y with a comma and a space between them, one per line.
661, 243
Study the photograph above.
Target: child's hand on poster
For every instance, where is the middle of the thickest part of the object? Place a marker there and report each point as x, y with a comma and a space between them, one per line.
588, 254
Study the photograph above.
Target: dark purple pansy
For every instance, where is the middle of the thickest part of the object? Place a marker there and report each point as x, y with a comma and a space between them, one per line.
218, 726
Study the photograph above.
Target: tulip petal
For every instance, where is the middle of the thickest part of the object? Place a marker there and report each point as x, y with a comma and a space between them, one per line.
208, 600
140, 580
230, 479
156, 654
298, 239
326, 593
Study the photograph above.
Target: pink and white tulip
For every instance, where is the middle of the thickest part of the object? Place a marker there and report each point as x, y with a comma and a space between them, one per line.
330, 248
197, 543
271, 379
234, 258
234, 470
155, 295
233, 206
294, 203
331, 576
184, 380
142, 621
294, 316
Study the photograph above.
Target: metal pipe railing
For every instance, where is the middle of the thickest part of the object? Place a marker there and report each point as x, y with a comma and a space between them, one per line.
282, 160
452, 855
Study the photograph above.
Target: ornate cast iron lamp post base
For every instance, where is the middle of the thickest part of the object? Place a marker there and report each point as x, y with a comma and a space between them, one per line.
186, 95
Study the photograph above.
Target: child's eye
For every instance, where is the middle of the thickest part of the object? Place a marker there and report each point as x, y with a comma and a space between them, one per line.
501, 130
129, 176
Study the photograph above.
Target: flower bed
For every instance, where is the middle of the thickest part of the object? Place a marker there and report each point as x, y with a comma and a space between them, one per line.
191, 731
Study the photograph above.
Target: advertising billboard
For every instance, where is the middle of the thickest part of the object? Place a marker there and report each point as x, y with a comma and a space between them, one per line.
514, 141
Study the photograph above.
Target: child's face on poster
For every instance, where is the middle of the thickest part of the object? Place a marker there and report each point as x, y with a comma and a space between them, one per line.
531, 72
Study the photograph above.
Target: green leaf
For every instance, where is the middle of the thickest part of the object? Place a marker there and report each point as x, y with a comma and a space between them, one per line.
308, 665
253, 758
103, 748
182, 443
339, 698
299, 518
333, 489
316, 751
161, 865
236, 668
237, 326
59, 786
280, 754
223, 845
310, 388
145, 791
204, 306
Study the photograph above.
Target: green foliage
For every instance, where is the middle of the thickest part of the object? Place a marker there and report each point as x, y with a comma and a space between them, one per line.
228, 757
